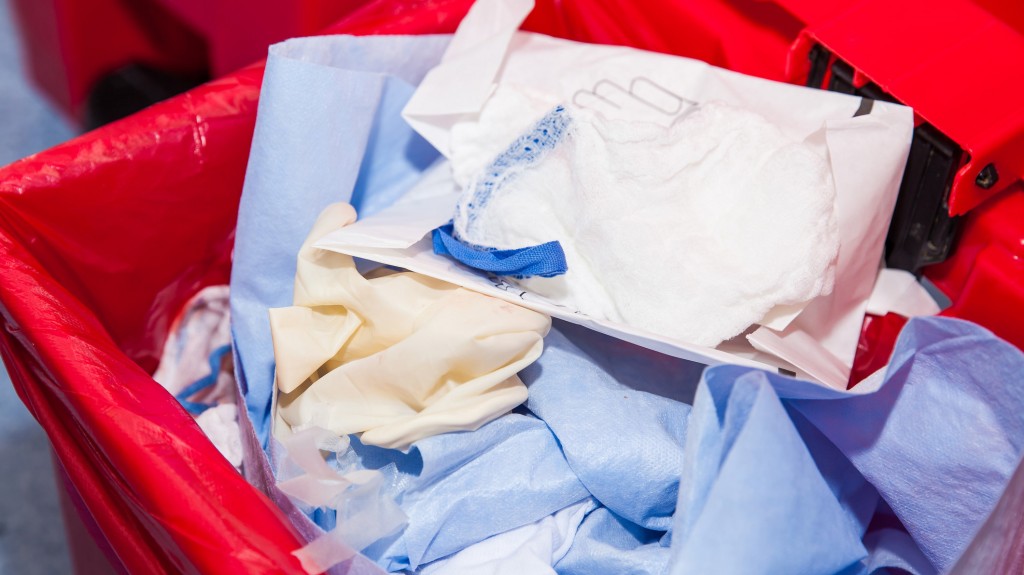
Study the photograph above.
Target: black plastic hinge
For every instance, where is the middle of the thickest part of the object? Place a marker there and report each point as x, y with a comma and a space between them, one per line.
922, 232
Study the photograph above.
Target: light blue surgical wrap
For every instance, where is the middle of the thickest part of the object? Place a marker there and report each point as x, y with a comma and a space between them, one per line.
329, 130
472, 485
766, 474
938, 439
625, 445
609, 545
751, 498
761, 487
772, 482
893, 548
941, 437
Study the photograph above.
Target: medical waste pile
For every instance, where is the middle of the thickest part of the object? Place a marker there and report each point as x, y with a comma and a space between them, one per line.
550, 307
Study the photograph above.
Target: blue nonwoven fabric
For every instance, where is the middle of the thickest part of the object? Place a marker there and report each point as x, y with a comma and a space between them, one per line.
855, 494
543, 260
938, 436
464, 487
893, 548
610, 545
764, 490
625, 445
941, 436
460, 488
637, 367
329, 129
762, 469
751, 498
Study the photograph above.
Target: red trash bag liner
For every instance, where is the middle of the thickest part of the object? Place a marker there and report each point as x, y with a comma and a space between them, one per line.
104, 238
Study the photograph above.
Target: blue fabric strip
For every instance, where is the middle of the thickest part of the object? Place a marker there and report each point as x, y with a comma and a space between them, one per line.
196, 408
544, 260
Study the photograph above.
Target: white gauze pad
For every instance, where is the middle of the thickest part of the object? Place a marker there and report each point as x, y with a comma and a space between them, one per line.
694, 231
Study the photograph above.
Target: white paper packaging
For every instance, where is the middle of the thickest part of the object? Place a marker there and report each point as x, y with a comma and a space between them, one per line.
867, 152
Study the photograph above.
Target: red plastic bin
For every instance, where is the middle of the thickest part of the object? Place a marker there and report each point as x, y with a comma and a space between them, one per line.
104, 238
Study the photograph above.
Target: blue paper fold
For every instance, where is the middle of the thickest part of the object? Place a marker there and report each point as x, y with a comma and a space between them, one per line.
938, 438
941, 437
472, 485
610, 545
625, 445
751, 498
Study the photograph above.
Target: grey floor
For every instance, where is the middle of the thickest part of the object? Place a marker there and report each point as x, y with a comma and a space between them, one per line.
31, 532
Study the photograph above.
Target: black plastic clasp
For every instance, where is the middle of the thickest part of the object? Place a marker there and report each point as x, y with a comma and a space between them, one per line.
922, 232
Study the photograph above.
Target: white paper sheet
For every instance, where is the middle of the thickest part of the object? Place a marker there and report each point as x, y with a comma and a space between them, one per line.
420, 258
427, 205
473, 60
864, 152
898, 291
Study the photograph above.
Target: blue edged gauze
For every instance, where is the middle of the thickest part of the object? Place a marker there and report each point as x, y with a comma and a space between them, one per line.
543, 260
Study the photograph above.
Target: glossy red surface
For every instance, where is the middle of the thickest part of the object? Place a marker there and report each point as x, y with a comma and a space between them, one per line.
71, 44
102, 239
878, 336
955, 62
985, 275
